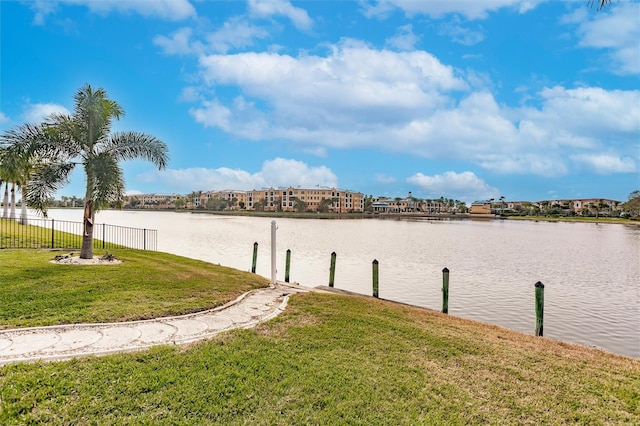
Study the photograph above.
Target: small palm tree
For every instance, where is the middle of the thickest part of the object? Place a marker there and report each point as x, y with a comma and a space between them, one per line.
83, 138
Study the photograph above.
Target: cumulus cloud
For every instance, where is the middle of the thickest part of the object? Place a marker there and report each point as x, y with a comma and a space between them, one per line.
465, 186
274, 173
617, 31
460, 33
605, 163
179, 43
404, 39
268, 8
356, 96
235, 33
314, 98
37, 113
437, 9
173, 10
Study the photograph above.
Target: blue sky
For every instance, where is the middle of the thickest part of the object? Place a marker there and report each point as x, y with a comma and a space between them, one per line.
526, 99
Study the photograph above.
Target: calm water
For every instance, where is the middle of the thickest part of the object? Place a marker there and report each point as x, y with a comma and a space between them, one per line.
591, 272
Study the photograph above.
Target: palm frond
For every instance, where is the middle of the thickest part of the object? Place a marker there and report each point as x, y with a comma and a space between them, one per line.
135, 145
108, 179
95, 112
44, 181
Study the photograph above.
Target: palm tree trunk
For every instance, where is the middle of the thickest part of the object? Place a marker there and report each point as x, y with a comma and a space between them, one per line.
12, 215
87, 235
23, 208
5, 212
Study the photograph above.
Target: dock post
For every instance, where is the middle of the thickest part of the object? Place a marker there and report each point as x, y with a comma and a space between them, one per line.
287, 266
375, 278
445, 291
539, 307
332, 269
255, 257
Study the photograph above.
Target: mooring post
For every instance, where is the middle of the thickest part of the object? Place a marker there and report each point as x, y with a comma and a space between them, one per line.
375, 277
332, 269
539, 307
255, 257
287, 266
273, 252
445, 291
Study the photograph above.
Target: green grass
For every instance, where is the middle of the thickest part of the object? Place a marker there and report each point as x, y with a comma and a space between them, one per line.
35, 292
334, 359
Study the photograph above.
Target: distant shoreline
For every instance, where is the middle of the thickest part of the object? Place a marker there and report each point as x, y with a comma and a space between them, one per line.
390, 216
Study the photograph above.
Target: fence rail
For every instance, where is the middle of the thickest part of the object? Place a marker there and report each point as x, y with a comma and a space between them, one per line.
51, 233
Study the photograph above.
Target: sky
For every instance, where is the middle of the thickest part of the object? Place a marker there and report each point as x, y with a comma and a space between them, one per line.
470, 100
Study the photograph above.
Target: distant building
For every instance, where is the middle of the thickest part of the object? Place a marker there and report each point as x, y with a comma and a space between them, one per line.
481, 207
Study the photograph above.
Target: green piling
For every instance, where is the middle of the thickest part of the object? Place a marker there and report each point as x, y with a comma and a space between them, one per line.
332, 270
445, 291
255, 257
375, 278
539, 307
287, 266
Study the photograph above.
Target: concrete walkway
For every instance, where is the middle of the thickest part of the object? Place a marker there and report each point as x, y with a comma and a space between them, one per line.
68, 341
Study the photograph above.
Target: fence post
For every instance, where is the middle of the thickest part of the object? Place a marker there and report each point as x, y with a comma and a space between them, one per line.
539, 307
332, 269
445, 291
144, 239
52, 234
255, 257
287, 266
375, 278
103, 233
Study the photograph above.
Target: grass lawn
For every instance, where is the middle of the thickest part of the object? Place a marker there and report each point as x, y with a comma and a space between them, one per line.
327, 359
35, 292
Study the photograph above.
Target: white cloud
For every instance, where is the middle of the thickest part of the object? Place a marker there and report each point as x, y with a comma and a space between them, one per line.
404, 39
3, 118
179, 43
437, 9
37, 113
348, 90
235, 33
617, 31
465, 186
605, 163
274, 173
407, 102
172, 10
268, 8
461, 34
588, 112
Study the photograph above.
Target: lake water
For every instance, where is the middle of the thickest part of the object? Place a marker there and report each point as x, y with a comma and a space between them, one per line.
591, 272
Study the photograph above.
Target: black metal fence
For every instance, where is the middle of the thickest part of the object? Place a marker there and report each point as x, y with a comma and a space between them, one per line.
51, 233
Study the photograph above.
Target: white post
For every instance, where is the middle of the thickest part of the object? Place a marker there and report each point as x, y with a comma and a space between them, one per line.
23, 211
273, 252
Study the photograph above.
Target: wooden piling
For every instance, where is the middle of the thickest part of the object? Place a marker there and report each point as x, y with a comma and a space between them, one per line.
539, 307
375, 278
255, 257
287, 266
332, 269
445, 291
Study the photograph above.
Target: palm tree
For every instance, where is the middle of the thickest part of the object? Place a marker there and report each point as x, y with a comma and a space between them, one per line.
4, 178
501, 205
83, 138
15, 169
